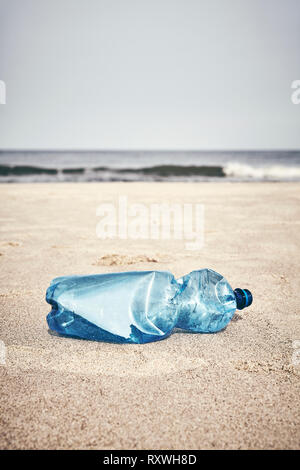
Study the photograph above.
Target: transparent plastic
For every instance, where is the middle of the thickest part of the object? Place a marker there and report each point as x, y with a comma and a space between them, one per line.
139, 306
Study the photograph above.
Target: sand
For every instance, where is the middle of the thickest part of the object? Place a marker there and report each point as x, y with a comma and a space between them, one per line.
235, 389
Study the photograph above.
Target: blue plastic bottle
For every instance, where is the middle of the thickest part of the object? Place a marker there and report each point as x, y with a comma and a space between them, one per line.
141, 306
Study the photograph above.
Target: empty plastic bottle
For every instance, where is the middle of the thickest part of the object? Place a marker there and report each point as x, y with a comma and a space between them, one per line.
142, 306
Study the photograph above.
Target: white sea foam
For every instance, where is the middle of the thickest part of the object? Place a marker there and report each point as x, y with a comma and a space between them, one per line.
272, 172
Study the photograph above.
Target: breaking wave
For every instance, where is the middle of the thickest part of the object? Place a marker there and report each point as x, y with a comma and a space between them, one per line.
233, 171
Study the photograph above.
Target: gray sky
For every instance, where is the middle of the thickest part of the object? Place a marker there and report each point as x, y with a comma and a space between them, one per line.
149, 74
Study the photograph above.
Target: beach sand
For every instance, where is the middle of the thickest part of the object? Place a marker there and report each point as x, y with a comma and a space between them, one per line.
235, 389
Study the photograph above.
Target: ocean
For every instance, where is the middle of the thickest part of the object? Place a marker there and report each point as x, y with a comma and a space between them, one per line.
78, 166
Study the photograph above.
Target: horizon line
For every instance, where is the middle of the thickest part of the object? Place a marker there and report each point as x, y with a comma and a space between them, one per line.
51, 150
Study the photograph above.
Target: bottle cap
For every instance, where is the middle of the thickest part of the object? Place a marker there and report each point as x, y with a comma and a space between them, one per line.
243, 298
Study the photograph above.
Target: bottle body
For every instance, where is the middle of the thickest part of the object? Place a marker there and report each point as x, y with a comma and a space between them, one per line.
140, 306
132, 307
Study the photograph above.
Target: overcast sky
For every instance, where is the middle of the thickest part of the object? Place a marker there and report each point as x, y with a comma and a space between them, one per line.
149, 74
